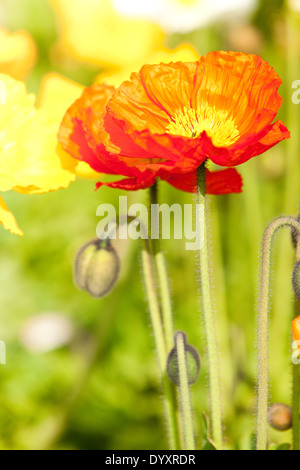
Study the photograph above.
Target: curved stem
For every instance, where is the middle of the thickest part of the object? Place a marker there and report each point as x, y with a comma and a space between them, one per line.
209, 320
262, 395
184, 393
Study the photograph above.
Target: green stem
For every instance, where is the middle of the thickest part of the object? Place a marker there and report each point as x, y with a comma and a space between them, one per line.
150, 247
295, 407
163, 280
154, 309
288, 199
296, 372
209, 320
169, 395
184, 394
263, 375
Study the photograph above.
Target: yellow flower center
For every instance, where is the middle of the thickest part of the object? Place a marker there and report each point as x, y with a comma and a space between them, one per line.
192, 122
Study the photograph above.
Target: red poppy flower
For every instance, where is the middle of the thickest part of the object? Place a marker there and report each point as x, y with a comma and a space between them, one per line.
169, 118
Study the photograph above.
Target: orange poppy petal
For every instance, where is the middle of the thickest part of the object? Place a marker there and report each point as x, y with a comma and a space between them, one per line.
150, 98
229, 85
82, 134
84, 120
169, 118
243, 85
257, 145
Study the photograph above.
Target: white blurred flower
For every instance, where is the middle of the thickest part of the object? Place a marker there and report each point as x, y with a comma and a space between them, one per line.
295, 5
184, 15
45, 332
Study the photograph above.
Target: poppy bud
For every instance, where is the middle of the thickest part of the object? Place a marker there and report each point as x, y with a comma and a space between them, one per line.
280, 416
96, 268
192, 362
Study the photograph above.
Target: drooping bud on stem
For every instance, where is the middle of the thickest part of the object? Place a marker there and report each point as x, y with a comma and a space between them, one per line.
192, 362
183, 367
96, 268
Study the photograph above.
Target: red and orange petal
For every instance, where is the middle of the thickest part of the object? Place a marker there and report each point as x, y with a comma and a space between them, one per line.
296, 331
127, 131
83, 122
216, 182
243, 86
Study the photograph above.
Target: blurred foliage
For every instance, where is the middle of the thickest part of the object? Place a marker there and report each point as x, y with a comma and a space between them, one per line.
101, 391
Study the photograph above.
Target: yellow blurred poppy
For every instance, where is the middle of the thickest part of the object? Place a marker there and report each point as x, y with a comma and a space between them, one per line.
56, 95
29, 163
183, 16
183, 53
17, 53
91, 30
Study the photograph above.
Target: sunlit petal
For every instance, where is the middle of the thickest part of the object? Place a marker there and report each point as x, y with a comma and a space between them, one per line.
8, 220
17, 53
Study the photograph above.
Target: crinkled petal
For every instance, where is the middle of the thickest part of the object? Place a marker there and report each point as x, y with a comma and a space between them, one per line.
82, 122
242, 85
224, 87
169, 118
269, 137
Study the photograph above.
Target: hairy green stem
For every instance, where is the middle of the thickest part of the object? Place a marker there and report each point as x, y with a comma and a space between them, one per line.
295, 406
263, 374
280, 327
151, 247
162, 277
296, 371
210, 328
184, 394
169, 395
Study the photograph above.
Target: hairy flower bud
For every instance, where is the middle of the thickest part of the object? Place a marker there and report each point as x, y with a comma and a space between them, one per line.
192, 362
280, 416
96, 268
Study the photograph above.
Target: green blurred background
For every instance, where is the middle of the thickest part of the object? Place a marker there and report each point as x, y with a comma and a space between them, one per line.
100, 390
